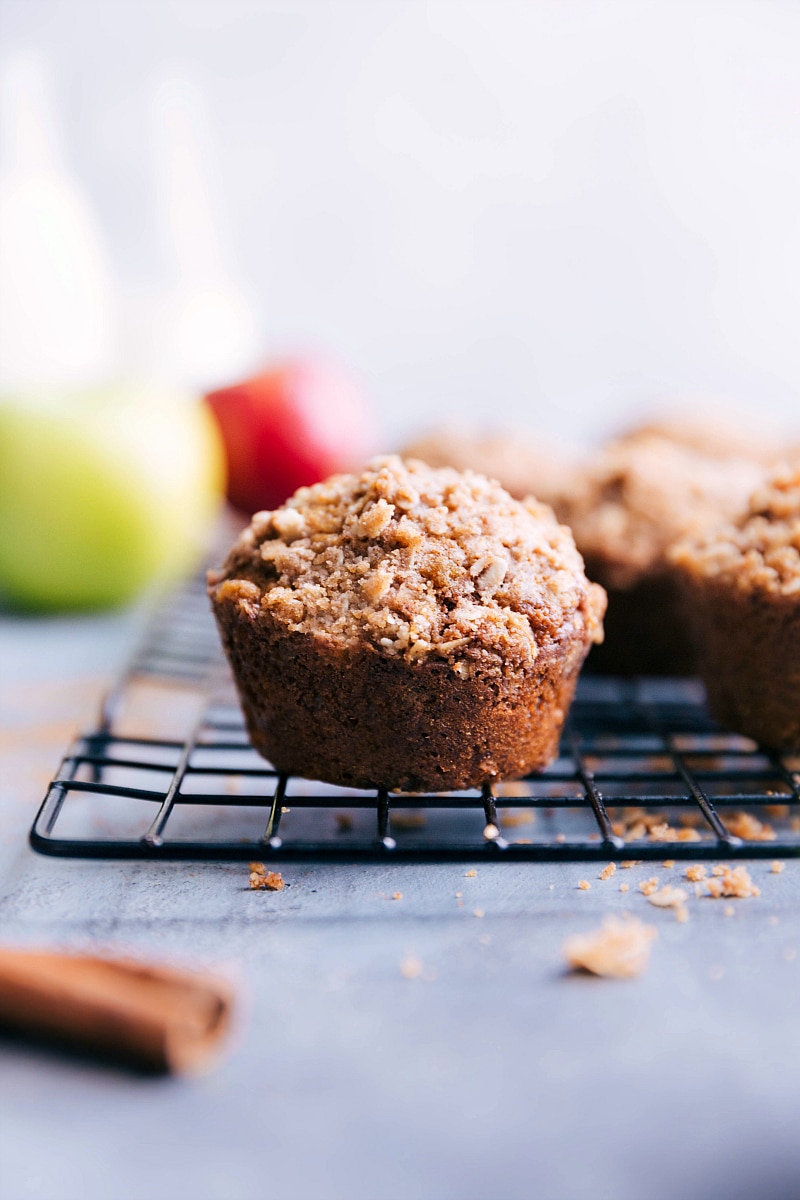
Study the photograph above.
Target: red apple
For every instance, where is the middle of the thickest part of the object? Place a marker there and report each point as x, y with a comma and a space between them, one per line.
294, 424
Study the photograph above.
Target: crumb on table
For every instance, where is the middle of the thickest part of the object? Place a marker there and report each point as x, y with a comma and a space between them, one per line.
648, 886
731, 881
584, 885
618, 949
263, 880
695, 873
776, 866
668, 897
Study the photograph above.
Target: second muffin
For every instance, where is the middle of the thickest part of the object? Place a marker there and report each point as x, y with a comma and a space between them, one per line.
742, 586
406, 628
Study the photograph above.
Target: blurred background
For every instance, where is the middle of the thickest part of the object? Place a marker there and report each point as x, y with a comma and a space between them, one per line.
542, 217
540, 214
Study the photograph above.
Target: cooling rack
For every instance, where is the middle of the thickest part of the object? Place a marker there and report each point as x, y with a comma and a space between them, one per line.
643, 773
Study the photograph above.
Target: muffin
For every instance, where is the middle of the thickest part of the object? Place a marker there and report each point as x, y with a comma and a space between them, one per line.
523, 465
741, 583
406, 628
713, 432
637, 498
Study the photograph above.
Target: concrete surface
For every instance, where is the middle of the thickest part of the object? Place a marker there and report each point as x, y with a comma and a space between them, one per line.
494, 1075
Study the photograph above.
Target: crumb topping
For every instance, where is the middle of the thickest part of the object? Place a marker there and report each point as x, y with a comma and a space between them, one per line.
761, 550
642, 494
418, 563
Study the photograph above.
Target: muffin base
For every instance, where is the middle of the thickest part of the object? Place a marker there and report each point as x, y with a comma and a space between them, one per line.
749, 649
358, 719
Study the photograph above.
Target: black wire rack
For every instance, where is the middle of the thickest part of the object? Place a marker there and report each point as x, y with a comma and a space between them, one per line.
643, 773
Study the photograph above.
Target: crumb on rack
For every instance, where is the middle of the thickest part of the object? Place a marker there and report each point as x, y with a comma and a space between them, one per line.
618, 949
584, 885
776, 866
408, 819
515, 817
669, 897
638, 824
648, 886
695, 873
749, 828
263, 880
608, 871
732, 881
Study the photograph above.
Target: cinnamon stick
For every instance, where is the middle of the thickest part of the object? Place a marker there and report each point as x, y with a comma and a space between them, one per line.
151, 1016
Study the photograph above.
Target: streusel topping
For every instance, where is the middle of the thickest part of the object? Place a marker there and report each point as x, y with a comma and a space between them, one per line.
643, 494
760, 551
416, 562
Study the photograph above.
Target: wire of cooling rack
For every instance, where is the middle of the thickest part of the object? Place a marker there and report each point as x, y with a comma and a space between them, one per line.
643, 774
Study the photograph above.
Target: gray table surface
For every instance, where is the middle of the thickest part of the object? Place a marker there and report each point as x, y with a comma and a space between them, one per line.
494, 1075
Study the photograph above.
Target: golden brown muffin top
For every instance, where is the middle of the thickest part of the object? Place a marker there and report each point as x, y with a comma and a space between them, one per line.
641, 494
524, 465
714, 433
416, 562
758, 552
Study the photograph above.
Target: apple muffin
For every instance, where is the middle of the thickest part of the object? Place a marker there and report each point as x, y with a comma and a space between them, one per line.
714, 432
406, 628
741, 583
639, 496
524, 465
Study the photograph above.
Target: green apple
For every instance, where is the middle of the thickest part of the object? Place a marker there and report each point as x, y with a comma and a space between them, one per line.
103, 492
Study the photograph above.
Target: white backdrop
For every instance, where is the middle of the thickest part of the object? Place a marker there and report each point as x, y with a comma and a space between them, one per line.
540, 212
